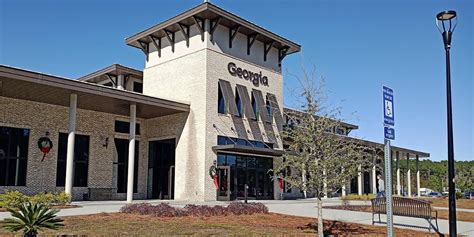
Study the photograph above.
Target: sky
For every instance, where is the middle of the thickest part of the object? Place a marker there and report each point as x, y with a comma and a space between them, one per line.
357, 46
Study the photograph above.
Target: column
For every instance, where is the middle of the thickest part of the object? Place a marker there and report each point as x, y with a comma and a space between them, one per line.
325, 184
120, 82
408, 175
359, 181
131, 152
398, 173
374, 175
418, 194
70, 144
343, 189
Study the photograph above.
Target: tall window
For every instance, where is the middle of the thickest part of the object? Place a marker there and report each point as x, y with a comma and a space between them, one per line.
13, 156
124, 127
238, 102
254, 107
220, 101
81, 160
121, 147
269, 111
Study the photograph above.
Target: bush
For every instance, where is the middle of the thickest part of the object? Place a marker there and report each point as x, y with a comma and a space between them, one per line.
165, 210
239, 208
363, 197
12, 199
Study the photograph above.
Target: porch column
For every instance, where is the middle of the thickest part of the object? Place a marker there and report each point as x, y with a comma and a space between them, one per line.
417, 177
343, 189
398, 173
70, 144
374, 175
325, 184
120, 82
131, 152
408, 175
359, 181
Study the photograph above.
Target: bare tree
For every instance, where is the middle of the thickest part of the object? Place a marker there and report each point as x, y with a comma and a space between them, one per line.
320, 160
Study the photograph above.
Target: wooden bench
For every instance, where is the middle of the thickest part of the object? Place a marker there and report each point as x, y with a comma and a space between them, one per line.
406, 207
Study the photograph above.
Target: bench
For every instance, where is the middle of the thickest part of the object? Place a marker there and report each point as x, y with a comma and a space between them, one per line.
100, 194
407, 207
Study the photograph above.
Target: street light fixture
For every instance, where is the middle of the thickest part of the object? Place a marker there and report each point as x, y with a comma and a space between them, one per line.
446, 22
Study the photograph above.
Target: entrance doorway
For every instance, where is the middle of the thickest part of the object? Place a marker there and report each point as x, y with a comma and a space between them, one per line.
236, 171
161, 173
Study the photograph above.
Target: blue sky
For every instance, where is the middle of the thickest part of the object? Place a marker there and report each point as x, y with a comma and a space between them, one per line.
357, 46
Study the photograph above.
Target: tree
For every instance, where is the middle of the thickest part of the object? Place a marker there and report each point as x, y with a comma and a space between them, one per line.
31, 218
320, 160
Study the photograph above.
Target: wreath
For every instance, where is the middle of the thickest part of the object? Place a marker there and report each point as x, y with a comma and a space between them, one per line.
213, 174
45, 145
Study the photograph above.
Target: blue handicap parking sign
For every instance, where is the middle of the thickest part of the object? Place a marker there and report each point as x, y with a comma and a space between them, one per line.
388, 108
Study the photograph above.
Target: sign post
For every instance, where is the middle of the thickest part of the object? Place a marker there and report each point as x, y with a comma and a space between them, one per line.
389, 134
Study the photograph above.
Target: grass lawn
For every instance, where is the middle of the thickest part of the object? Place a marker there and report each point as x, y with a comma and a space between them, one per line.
442, 214
243, 225
443, 202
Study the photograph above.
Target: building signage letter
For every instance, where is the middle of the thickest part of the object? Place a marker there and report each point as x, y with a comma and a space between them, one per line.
255, 78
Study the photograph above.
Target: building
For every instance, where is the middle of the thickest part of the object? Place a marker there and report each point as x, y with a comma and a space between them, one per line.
209, 101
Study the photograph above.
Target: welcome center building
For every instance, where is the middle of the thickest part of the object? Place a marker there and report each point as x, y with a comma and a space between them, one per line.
208, 101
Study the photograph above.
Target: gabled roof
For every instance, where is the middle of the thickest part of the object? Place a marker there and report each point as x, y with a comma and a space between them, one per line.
212, 12
112, 70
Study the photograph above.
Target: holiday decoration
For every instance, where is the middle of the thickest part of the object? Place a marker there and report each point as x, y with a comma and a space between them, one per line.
213, 174
45, 145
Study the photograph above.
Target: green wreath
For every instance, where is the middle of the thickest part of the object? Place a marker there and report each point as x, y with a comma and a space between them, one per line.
212, 171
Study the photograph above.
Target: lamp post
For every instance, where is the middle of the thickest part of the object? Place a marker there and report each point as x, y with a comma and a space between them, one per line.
446, 22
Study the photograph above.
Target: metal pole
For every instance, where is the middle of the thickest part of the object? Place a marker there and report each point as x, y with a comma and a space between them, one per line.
388, 187
246, 192
451, 186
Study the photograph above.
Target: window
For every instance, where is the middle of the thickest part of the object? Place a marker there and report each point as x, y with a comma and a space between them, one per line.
238, 103
254, 107
124, 127
13, 156
221, 108
222, 140
138, 87
121, 147
269, 111
81, 160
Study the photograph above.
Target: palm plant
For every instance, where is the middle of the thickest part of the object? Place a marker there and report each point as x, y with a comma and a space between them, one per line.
31, 218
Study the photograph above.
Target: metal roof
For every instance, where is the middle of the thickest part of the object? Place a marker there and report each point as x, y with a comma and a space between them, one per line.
39, 87
209, 11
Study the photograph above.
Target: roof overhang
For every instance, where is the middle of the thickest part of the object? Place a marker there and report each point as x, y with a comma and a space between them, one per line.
33, 86
111, 71
209, 11
235, 148
403, 152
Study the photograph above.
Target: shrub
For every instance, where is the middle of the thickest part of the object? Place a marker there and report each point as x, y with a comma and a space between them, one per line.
165, 210
239, 208
61, 199
12, 199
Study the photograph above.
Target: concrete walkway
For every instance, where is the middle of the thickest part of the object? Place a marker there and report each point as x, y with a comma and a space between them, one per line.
305, 208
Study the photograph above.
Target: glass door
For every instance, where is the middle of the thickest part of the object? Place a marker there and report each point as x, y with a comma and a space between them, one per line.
223, 180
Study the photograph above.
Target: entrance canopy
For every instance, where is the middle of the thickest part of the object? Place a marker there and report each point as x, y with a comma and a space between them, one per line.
27, 85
